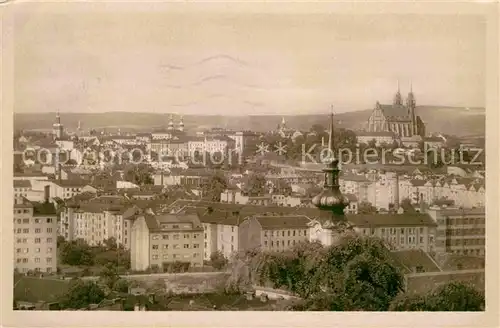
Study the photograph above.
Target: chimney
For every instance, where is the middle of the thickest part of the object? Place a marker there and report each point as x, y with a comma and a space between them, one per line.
46, 193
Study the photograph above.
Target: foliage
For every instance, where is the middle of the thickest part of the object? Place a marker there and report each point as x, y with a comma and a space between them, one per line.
138, 174
121, 286
110, 243
81, 294
453, 296
282, 187
217, 260
354, 274
109, 276
76, 252
366, 208
256, 185
407, 206
175, 267
212, 189
118, 257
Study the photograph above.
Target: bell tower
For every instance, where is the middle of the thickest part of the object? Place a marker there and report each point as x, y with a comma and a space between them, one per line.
397, 98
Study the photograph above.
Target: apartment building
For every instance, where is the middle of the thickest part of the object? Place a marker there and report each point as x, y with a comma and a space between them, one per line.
96, 220
35, 236
220, 234
460, 231
400, 231
166, 238
273, 233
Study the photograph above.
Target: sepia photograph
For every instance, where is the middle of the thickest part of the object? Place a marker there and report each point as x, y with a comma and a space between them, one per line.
175, 159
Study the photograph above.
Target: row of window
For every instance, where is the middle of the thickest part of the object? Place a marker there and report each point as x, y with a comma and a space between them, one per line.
174, 237
277, 243
174, 256
461, 242
37, 250
174, 246
409, 240
461, 221
48, 270
463, 232
37, 221
18, 211
48, 260
290, 233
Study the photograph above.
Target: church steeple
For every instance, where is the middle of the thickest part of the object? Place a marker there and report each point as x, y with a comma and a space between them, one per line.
397, 98
410, 101
171, 122
331, 201
181, 124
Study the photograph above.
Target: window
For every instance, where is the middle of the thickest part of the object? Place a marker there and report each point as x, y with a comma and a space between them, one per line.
196, 235
186, 245
154, 247
196, 245
421, 239
38, 240
176, 237
305, 232
49, 220
265, 233
283, 234
49, 250
25, 260
176, 246
289, 243
155, 257
165, 246
25, 240
165, 237
232, 238
205, 235
26, 230
156, 237
186, 236
196, 254
165, 256
49, 240
175, 226
19, 230
49, 260
37, 220
49, 230
232, 229
294, 233
18, 250
19, 221
37, 260
421, 230
282, 243
26, 221
402, 240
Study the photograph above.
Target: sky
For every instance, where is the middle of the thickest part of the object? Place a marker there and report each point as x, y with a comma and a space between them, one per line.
243, 63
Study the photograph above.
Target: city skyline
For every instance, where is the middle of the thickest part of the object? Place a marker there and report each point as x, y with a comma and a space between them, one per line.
244, 64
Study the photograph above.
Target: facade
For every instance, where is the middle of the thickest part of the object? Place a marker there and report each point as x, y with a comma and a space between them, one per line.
460, 231
96, 220
273, 233
380, 137
221, 234
35, 236
166, 238
397, 118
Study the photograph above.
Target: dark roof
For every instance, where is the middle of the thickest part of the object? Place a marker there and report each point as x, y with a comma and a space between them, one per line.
451, 262
44, 208
153, 221
391, 220
410, 259
283, 222
462, 212
22, 184
395, 112
71, 183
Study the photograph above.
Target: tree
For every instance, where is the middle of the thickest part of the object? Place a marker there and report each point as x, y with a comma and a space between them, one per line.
366, 208
407, 205
76, 252
110, 243
121, 286
109, 276
212, 189
256, 185
138, 174
217, 260
282, 187
453, 296
82, 293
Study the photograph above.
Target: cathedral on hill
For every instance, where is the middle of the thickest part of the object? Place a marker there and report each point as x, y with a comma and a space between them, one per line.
398, 118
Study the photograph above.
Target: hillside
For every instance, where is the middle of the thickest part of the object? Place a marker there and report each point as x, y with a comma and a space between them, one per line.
448, 120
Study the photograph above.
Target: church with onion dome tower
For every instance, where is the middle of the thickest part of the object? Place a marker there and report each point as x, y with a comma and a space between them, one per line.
331, 221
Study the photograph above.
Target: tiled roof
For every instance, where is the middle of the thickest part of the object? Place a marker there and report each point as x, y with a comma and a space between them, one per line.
390, 220
395, 112
44, 208
418, 182
153, 222
71, 183
22, 184
283, 222
410, 259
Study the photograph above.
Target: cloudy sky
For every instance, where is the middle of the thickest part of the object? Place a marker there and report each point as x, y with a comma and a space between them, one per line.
98, 61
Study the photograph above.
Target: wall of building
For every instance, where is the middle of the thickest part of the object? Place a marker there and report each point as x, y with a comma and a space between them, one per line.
139, 246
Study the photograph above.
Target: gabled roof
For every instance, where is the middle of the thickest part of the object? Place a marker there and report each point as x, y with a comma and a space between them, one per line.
410, 259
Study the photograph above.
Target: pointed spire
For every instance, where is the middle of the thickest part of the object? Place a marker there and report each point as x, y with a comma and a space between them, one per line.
398, 86
58, 117
330, 136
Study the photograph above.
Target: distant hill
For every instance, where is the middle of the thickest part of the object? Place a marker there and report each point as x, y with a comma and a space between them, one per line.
449, 120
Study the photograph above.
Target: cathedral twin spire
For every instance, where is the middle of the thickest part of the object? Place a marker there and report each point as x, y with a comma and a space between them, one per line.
410, 100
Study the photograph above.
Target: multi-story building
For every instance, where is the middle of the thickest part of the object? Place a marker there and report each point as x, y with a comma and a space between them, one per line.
96, 220
22, 188
460, 231
35, 236
400, 231
273, 233
220, 234
166, 238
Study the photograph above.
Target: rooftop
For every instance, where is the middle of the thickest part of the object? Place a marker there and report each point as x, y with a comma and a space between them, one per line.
22, 184
409, 260
283, 222
391, 220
